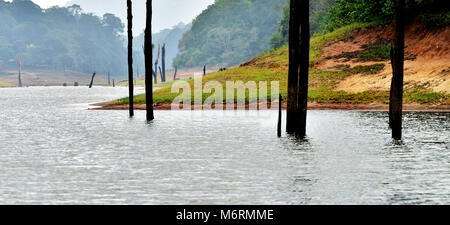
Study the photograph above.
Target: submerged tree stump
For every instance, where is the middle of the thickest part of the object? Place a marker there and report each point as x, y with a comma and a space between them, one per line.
279, 116
397, 58
163, 63
92, 80
294, 45
148, 53
19, 60
130, 57
175, 73
302, 99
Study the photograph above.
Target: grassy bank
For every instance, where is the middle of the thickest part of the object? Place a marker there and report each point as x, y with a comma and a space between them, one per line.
2, 84
273, 66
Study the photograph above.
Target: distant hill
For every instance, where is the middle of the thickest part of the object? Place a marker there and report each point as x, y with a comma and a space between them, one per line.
60, 38
230, 32
170, 37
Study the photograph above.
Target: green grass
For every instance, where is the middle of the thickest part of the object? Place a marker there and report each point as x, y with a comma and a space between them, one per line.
436, 20
273, 66
367, 70
376, 53
2, 84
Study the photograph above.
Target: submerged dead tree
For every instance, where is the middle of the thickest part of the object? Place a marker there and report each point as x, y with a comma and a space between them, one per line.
175, 73
397, 59
294, 52
280, 100
155, 76
204, 70
163, 63
19, 61
130, 57
148, 53
92, 80
302, 99
156, 64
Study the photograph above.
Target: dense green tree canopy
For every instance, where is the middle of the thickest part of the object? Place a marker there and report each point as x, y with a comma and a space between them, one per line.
229, 32
60, 38
318, 21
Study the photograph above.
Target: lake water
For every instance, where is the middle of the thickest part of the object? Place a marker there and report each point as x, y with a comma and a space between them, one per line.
55, 151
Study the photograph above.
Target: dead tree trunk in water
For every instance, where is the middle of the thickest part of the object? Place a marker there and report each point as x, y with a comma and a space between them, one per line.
302, 99
397, 58
279, 116
175, 73
19, 59
204, 70
155, 76
294, 45
148, 53
130, 57
92, 80
161, 73
163, 63
156, 65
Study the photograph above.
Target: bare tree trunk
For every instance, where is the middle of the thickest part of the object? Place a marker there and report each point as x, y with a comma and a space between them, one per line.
279, 116
148, 53
294, 45
304, 69
163, 63
161, 73
19, 59
130, 57
92, 80
175, 73
204, 70
155, 76
397, 58
156, 64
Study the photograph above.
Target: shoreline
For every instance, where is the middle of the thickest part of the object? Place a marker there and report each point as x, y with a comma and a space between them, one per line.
112, 105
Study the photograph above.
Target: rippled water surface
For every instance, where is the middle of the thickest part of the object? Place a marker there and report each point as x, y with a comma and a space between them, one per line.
54, 151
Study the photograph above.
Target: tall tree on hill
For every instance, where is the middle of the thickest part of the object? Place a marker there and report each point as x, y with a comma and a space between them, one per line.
397, 58
148, 52
304, 69
294, 45
130, 57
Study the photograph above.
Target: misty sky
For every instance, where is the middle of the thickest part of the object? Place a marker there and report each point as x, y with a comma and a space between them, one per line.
166, 13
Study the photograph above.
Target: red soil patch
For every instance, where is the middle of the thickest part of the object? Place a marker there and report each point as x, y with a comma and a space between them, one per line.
426, 43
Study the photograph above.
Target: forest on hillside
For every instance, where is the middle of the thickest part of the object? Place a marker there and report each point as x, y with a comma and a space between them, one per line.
60, 38
328, 15
229, 33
